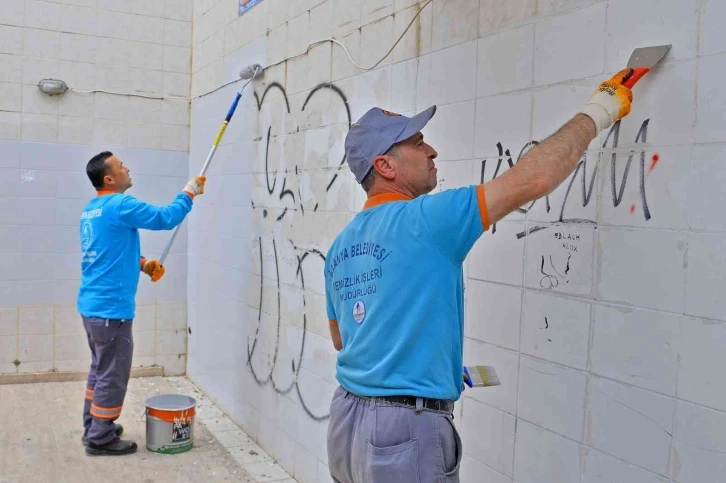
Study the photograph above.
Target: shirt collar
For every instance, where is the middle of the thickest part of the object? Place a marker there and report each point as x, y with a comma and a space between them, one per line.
105, 192
382, 198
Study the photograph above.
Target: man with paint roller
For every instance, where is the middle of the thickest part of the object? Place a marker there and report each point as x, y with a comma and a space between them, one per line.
394, 287
110, 268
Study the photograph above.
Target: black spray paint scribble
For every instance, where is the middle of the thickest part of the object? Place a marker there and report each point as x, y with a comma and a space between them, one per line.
303, 256
617, 195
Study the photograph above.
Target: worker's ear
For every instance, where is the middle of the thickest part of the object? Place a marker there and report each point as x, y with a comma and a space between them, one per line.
383, 166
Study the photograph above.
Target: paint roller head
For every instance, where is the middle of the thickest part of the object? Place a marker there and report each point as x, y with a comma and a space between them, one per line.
250, 72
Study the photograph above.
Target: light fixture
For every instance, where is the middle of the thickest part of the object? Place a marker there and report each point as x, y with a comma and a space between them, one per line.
52, 87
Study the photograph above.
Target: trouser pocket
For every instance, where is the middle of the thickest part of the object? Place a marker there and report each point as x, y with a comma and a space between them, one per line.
450, 447
397, 463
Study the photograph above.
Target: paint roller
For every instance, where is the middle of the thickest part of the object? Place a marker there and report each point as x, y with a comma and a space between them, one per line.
249, 73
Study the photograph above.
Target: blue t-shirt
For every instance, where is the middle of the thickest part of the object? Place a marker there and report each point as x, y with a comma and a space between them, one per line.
394, 285
111, 251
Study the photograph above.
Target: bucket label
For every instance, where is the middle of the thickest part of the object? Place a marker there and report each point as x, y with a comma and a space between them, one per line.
181, 429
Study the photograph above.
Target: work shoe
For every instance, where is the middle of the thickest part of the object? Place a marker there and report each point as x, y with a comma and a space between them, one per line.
115, 447
117, 428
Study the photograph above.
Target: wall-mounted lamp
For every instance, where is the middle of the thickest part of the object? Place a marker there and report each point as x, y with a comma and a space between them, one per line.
52, 87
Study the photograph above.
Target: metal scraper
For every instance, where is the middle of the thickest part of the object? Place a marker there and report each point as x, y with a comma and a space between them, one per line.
642, 60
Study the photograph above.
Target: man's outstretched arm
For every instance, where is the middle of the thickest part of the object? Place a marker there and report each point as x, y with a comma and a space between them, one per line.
542, 169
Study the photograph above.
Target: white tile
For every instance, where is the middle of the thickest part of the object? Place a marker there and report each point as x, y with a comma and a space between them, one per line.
43, 15
35, 320
174, 365
493, 313
174, 138
71, 347
630, 423
554, 106
78, 48
41, 43
171, 316
455, 21
668, 123
453, 74
112, 133
11, 40
267, 471
711, 99
639, 347
408, 47
12, 72
712, 37
634, 25
75, 130
35, 348
36, 366
177, 59
144, 342
505, 363
79, 75
34, 101
487, 434
701, 355
376, 39
621, 254
171, 341
8, 321
703, 285
39, 127
560, 259
496, 14
580, 36
662, 199
451, 131
179, 9
11, 12
11, 97
10, 123
698, 451
472, 470
552, 397
36, 69
502, 120
544, 457
556, 329
597, 467
79, 20
498, 256
505, 61
177, 33
8, 348
704, 188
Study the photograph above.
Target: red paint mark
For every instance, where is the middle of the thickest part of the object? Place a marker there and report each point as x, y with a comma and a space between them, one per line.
632, 209
654, 161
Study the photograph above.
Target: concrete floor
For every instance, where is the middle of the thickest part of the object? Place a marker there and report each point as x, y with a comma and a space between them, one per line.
41, 428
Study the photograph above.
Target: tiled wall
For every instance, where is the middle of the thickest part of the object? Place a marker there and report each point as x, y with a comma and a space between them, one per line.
118, 47
607, 332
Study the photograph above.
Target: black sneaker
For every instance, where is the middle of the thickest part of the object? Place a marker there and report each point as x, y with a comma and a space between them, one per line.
116, 447
117, 428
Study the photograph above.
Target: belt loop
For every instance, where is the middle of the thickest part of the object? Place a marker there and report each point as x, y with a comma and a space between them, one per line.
373, 403
106, 322
419, 404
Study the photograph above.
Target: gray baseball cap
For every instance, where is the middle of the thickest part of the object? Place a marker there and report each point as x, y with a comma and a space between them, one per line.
376, 132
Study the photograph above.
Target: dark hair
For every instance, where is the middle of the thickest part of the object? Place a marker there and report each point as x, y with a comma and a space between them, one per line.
96, 169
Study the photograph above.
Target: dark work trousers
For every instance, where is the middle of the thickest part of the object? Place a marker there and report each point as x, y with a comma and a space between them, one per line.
112, 346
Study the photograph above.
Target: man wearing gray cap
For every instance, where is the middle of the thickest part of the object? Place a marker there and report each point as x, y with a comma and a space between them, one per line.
395, 288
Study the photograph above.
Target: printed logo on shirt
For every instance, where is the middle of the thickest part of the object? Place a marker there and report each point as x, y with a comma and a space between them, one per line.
359, 311
86, 235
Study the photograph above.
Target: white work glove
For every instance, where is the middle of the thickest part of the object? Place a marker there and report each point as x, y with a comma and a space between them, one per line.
195, 186
610, 102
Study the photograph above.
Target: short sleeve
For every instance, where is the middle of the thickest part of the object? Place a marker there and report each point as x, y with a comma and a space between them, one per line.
457, 218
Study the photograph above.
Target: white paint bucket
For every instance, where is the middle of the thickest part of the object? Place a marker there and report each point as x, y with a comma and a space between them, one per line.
170, 423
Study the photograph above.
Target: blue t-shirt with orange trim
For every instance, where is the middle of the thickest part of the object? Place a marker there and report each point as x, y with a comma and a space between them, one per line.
111, 251
394, 286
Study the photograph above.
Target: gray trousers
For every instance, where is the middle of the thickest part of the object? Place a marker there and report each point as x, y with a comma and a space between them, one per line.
374, 441
112, 346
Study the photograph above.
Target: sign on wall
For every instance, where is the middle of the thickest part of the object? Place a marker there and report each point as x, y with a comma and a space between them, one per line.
245, 5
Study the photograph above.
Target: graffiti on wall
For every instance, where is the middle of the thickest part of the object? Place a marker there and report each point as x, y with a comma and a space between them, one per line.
279, 185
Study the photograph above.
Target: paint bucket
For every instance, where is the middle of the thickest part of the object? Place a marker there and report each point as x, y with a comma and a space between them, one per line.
170, 423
